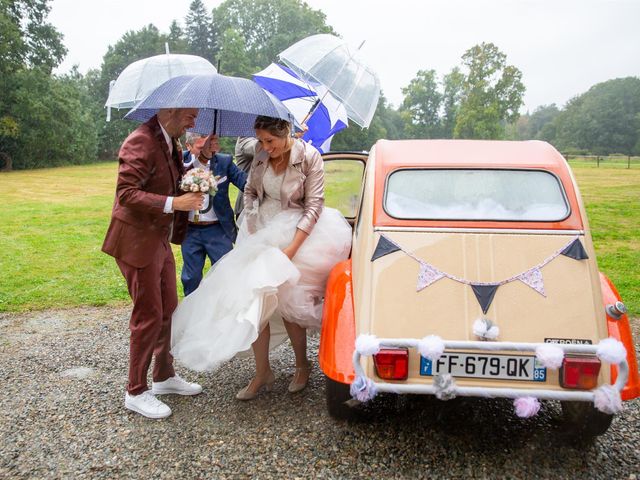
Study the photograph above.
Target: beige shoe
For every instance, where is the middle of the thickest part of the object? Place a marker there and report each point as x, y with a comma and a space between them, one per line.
300, 378
249, 394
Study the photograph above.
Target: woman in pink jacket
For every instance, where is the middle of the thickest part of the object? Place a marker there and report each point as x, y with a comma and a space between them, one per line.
287, 244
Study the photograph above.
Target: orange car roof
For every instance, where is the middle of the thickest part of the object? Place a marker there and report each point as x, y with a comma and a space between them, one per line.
392, 155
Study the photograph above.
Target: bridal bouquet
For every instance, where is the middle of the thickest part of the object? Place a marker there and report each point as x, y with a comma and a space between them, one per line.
200, 180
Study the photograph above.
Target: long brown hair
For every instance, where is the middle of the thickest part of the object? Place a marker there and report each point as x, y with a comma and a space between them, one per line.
275, 126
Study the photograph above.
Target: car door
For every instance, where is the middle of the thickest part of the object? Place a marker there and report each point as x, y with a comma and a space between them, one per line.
343, 176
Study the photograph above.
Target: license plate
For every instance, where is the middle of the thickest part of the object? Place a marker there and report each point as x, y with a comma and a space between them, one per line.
505, 367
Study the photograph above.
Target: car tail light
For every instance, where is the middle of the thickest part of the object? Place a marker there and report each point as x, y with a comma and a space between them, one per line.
579, 372
392, 363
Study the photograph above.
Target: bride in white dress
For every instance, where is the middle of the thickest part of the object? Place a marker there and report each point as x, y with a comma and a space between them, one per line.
287, 244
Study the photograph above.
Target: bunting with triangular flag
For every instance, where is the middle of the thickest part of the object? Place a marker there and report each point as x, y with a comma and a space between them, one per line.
484, 294
533, 278
384, 247
575, 250
428, 274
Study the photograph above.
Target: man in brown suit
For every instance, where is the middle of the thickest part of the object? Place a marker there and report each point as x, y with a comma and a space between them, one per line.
150, 211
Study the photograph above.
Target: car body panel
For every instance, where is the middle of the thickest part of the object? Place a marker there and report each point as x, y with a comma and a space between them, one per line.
621, 330
570, 310
384, 301
530, 155
338, 326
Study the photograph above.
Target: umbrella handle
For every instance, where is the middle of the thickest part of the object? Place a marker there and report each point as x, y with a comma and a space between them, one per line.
312, 110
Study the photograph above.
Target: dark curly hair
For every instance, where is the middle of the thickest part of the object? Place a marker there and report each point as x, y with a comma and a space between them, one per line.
275, 126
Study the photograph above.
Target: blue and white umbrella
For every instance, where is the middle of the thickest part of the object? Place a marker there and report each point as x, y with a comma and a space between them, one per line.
330, 61
328, 115
228, 105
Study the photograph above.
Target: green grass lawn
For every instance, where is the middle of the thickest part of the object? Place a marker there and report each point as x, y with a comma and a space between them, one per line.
612, 199
53, 222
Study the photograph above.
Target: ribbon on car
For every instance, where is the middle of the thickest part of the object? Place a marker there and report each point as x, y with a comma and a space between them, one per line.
484, 292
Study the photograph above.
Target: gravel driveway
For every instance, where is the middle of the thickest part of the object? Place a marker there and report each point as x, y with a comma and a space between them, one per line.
63, 375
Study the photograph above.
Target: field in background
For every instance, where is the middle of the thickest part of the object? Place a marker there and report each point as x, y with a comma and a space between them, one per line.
53, 222
612, 200
610, 161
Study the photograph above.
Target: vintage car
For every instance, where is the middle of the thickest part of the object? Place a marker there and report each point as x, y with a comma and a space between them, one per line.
473, 273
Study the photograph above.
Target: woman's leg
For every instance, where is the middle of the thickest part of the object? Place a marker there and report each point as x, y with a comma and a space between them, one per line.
298, 337
264, 376
261, 352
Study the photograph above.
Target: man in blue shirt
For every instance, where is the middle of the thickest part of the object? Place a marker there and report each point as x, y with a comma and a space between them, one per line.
215, 231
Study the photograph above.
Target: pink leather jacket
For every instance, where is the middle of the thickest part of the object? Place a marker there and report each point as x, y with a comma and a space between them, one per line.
302, 186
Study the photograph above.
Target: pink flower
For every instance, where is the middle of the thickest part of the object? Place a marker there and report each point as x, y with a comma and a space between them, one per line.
526, 406
199, 180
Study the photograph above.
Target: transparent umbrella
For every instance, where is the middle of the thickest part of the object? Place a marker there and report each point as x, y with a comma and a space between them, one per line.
140, 78
328, 60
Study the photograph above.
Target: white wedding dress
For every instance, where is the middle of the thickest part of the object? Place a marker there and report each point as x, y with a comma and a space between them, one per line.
244, 289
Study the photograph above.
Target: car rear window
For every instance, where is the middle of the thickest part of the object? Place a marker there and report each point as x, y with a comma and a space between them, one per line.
472, 194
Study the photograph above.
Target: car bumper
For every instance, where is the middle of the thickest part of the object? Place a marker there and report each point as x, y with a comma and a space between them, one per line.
489, 392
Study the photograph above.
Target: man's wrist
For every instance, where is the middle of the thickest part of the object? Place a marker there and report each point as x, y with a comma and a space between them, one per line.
204, 156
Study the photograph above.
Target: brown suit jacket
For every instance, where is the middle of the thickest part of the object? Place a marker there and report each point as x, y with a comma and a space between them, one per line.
147, 175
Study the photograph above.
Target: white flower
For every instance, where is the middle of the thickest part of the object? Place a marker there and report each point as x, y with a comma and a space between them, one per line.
611, 350
485, 329
550, 355
367, 344
607, 399
431, 347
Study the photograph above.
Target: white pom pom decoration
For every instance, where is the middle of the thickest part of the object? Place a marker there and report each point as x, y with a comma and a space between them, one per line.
363, 389
607, 399
445, 386
431, 347
611, 350
485, 329
367, 344
526, 407
550, 355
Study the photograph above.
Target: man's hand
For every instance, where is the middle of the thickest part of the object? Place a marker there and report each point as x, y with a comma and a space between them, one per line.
211, 146
188, 201
300, 134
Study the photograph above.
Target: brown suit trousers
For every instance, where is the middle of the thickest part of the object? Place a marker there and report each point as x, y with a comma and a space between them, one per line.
153, 291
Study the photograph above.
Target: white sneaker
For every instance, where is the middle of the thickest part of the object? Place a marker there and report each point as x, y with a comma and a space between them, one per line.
176, 385
146, 404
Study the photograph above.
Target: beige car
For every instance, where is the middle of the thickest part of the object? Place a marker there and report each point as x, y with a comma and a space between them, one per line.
472, 273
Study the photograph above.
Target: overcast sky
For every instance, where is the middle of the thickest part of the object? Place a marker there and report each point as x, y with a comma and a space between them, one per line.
562, 47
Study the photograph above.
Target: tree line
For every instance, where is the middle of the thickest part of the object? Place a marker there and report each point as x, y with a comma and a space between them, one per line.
49, 120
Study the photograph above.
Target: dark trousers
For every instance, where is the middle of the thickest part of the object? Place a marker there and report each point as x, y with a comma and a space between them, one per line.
202, 241
154, 295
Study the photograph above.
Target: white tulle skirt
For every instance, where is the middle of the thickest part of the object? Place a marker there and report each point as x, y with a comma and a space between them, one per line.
255, 282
